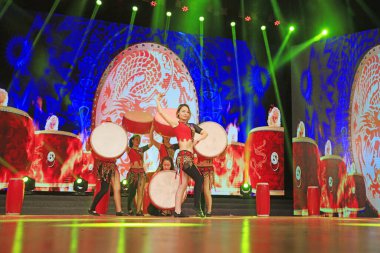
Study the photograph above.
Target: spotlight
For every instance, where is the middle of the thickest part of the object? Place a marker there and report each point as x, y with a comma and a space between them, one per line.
245, 190
80, 185
124, 187
168, 13
30, 183
201, 19
134, 8
98, 2
325, 32
233, 24
263, 28
291, 28
248, 18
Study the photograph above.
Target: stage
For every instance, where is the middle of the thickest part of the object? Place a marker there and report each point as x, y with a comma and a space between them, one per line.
82, 233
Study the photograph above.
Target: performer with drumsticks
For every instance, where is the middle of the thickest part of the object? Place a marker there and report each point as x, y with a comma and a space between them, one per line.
136, 177
185, 159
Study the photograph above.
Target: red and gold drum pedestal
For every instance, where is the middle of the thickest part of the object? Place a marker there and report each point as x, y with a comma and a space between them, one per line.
264, 150
15, 196
262, 199
305, 171
16, 143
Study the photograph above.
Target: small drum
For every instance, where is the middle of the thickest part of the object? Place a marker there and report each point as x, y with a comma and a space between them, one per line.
355, 193
137, 122
108, 141
264, 150
162, 189
332, 169
262, 199
58, 157
161, 126
15, 196
215, 143
16, 143
313, 200
305, 171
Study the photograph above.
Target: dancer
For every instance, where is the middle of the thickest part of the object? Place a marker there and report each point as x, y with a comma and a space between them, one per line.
206, 167
165, 148
185, 159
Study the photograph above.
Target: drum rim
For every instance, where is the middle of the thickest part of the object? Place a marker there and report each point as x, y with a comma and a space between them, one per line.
267, 128
304, 139
58, 132
14, 110
149, 187
113, 157
220, 126
133, 112
336, 157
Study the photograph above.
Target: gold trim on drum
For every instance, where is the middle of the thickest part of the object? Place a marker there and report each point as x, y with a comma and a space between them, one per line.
304, 139
14, 110
236, 143
57, 132
267, 128
336, 157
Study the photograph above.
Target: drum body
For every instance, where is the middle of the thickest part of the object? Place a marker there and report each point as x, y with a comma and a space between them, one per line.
58, 157
15, 196
108, 141
264, 150
16, 143
305, 171
355, 194
216, 141
262, 199
161, 126
137, 122
162, 189
332, 169
313, 200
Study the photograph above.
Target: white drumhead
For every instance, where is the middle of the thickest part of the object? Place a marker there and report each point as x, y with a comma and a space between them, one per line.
109, 140
162, 189
216, 141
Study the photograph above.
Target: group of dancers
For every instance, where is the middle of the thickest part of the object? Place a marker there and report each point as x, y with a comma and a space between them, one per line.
203, 178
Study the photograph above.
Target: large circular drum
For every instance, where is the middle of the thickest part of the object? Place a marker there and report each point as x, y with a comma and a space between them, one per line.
162, 189
137, 122
216, 141
161, 126
108, 141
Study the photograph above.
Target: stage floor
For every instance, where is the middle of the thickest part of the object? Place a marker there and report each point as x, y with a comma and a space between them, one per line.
80, 233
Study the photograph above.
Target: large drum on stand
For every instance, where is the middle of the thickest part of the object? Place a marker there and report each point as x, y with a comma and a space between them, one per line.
305, 171
137, 122
16, 144
161, 126
264, 150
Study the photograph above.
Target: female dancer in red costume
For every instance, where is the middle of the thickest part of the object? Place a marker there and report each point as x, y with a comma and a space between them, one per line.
185, 159
165, 149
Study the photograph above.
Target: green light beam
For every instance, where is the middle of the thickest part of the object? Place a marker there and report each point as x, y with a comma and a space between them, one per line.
278, 14
282, 48
201, 55
167, 24
5, 8
17, 240
131, 23
74, 238
121, 241
245, 244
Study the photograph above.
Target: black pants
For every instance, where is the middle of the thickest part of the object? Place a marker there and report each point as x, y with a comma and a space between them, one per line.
194, 173
132, 188
103, 191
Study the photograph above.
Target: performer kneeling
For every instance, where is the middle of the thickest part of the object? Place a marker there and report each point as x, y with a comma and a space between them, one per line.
185, 136
107, 173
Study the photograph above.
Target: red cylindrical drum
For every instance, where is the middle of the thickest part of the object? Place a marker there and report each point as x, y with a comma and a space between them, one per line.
15, 196
262, 199
305, 171
355, 196
161, 126
137, 122
102, 206
313, 200
264, 151
332, 170
16, 143
58, 155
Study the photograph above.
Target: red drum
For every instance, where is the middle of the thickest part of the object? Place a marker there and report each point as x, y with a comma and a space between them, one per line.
162, 189
305, 171
15, 196
88, 173
355, 196
58, 155
264, 155
161, 126
313, 200
215, 143
16, 143
229, 169
102, 206
108, 141
137, 122
332, 169
262, 199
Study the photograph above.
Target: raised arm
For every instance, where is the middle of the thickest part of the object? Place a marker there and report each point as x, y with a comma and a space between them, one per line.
152, 140
172, 122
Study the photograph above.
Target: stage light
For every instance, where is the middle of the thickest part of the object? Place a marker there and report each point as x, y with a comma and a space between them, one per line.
325, 32
248, 18
185, 8
291, 28
277, 22
80, 185
30, 183
124, 187
233, 24
153, 3
263, 27
246, 190
134, 8
98, 2
169, 14
201, 19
